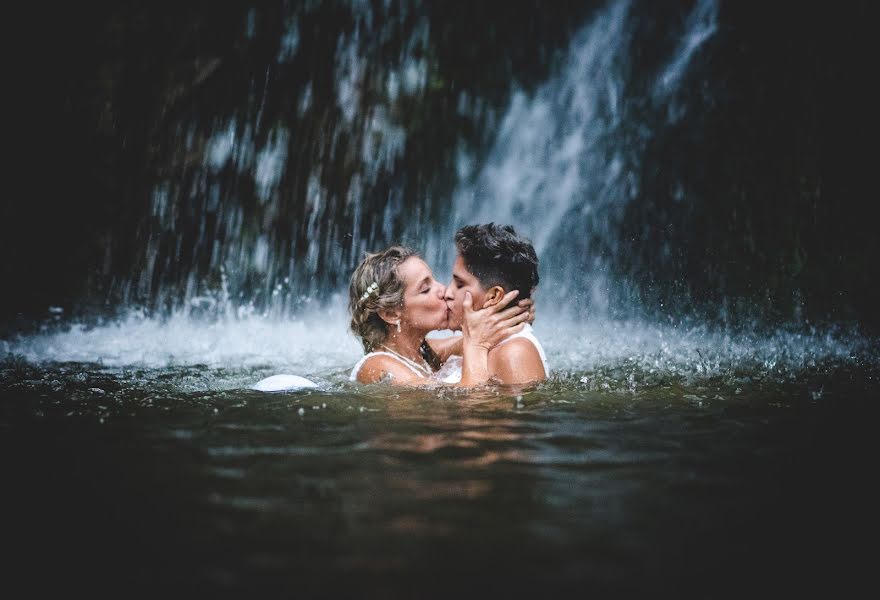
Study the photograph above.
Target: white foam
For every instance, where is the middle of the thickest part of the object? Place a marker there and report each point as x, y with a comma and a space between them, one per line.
316, 342
319, 344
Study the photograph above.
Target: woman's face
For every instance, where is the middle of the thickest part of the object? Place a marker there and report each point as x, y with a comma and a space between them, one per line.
423, 304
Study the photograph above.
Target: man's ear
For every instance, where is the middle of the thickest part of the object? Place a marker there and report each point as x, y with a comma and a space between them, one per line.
493, 295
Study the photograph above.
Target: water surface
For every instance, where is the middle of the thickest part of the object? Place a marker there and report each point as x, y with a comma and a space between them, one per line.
678, 466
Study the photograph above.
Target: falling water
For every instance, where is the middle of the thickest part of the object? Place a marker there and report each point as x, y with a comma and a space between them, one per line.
250, 237
275, 198
280, 207
567, 158
274, 228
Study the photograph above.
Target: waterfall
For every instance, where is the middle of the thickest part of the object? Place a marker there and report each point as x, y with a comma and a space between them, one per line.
632, 142
567, 157
273, 198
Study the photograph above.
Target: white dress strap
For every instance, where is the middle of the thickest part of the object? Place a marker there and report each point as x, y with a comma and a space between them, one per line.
360, 363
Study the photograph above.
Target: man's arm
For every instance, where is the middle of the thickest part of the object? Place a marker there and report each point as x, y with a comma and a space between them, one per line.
516, 362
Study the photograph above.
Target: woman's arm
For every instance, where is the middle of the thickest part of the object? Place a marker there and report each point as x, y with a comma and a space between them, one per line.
446, 347
454, 345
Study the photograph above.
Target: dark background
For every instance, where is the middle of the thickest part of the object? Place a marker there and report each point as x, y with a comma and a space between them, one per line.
779, 156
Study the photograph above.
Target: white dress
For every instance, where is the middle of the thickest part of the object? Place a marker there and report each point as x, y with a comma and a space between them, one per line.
401, 359
450, 372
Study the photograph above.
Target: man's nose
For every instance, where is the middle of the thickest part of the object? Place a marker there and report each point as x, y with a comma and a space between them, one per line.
447, 293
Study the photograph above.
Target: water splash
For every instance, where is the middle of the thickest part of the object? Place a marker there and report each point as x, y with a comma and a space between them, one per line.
314, 343
319, 345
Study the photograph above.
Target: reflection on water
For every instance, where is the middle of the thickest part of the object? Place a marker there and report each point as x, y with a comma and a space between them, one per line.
657, 458
670, 487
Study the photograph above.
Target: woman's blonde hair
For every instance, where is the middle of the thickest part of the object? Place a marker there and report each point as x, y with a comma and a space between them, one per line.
376, 286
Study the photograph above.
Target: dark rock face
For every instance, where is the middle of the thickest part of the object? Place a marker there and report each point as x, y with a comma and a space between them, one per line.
166, 152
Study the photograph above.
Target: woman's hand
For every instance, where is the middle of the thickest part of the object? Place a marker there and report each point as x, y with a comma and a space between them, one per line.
482, 330
486, 327
529, 305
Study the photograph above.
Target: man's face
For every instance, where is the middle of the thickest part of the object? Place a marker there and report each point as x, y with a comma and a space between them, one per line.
462, 281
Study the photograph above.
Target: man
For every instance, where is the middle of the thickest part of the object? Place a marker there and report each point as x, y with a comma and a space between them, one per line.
491, 261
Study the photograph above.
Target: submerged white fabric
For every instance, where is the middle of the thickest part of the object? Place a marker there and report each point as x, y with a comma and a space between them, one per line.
450, 371
280, 383
360, 363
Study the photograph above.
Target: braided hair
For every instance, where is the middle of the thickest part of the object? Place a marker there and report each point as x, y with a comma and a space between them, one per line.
375, 286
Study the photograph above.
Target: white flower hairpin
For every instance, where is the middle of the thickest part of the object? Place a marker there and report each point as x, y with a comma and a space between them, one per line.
371, 290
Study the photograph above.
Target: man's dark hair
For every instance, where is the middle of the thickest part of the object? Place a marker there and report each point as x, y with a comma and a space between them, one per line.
496, 255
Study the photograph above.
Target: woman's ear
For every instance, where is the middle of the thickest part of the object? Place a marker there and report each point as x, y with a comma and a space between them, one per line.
493, 295
392, 317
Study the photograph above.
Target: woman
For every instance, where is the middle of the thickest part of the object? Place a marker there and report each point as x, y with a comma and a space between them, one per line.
395, 302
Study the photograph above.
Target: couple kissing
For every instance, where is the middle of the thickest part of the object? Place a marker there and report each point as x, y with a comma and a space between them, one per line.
395, 302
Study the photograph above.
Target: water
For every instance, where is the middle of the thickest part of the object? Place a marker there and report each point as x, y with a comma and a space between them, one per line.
656, 459
563, 162
567, 159
622, 477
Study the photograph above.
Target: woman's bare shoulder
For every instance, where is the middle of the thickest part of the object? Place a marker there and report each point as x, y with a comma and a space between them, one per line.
383, 367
